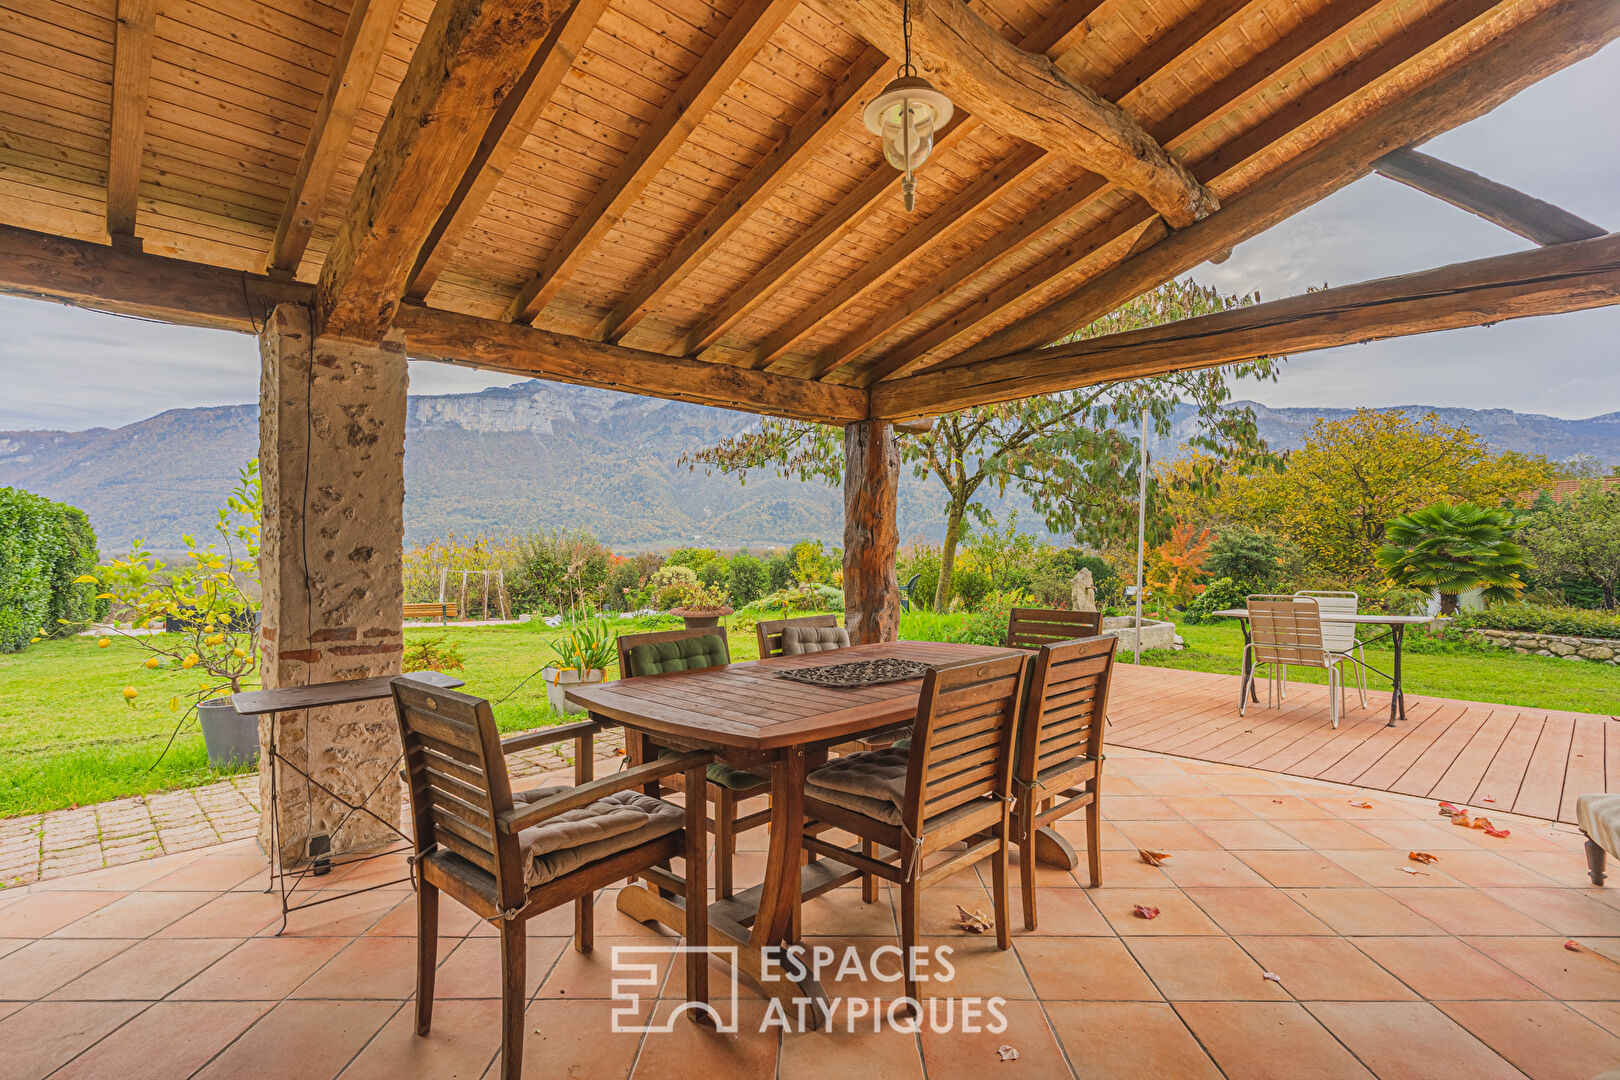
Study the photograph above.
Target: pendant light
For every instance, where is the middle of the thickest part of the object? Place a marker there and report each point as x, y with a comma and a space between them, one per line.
907, 115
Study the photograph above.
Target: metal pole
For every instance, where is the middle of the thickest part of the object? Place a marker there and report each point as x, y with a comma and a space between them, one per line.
1141, 533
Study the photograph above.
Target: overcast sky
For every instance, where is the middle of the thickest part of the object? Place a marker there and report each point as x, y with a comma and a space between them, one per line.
68, 369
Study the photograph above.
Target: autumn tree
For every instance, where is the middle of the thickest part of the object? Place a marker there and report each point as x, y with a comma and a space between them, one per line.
1074, 454
1175, 569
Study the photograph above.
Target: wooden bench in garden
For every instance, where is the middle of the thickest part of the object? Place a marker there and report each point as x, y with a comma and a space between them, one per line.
440, 611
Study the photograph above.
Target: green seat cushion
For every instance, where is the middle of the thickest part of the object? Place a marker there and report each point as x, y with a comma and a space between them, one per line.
727, 776
685, 654
902, 743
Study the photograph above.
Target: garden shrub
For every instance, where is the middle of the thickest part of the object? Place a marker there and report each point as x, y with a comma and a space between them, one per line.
1249, 557
556, 568
1219, 594
1570, 622
778, 573
45, 547
747, 579
971, 586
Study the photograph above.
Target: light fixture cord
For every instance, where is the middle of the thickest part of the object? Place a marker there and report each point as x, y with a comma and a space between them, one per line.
905, 33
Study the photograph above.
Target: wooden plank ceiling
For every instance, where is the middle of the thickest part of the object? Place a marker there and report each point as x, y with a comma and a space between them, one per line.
691, 178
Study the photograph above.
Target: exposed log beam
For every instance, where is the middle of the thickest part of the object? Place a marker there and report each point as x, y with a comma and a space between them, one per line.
511, 125
743, 36
814, 130
132, 71
359, 53
1546, 281
470, 56
1025, 95
1529, 217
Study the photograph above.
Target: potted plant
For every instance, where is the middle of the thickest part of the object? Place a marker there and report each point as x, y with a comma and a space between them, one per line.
703, 607
583, 656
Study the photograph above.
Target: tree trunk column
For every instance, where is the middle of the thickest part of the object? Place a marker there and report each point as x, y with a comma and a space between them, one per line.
331, 457
871, 532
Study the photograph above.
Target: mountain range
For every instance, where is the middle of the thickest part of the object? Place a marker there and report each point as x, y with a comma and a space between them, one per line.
540, 455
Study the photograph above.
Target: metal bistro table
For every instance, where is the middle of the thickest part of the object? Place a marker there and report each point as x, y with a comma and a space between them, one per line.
1395, 630
754, 719
316, 696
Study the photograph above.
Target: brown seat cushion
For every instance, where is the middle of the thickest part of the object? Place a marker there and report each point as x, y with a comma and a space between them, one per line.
611, 824
872, 782
799, 639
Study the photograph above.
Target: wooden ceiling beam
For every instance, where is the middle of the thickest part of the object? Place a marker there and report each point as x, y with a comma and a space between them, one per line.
1545, 281
365, 38
471, 55
129, 282
132, 75
747, 31
507, 131
1527, 216
1024, 95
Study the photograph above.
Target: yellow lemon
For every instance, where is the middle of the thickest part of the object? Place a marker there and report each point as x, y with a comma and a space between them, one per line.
151, 661
239, 653
130, 692
103, 643
189, 662
33, 641
214, 639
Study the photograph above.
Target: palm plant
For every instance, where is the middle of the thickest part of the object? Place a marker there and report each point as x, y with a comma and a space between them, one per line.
1452, 548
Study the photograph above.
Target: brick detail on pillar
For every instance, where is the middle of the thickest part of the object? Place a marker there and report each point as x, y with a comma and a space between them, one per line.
871, 532
331, 456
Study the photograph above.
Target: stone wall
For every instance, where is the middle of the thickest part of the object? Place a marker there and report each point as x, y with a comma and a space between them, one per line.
1599, 650
1156, 633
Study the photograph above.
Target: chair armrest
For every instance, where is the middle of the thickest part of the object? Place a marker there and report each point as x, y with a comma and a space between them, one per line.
528, 740
520, 818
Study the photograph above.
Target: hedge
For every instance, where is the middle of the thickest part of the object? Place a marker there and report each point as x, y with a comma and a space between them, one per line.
44, 546
1569, 622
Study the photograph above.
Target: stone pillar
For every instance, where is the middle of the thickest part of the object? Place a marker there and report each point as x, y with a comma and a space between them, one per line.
331, 456
871, 532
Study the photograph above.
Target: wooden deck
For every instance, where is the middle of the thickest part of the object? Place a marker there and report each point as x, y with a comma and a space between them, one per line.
1504, 757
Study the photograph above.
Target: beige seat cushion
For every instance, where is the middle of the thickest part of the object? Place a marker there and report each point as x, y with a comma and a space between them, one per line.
872, 782
611, 824
798, 640
1599, 818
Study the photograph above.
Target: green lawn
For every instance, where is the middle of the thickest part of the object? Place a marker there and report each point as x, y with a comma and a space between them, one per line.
67, 737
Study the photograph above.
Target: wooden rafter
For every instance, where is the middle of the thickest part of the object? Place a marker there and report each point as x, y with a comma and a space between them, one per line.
1320, 100
1174, 130
132, 70
1550, 42
721, 64
1546, 281
1025, 95
501, 142
1525, 215
361, 50
471, 54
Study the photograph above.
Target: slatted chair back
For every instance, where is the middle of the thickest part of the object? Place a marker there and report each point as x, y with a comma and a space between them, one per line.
1065, 705
962, 748
1287, 630
458, 782
628, 643
770, 631
1030, 628
1336, 636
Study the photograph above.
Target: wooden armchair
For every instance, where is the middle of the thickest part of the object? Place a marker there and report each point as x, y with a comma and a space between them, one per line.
510, 857
1030, 628
1060, 750
953, 784
773, 633
727, 786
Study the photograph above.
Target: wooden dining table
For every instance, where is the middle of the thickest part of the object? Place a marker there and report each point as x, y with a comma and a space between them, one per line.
750, 716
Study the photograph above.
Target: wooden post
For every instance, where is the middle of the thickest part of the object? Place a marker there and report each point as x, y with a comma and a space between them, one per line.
871, 532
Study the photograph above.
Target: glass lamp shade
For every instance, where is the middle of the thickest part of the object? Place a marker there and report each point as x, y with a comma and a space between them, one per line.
906, 145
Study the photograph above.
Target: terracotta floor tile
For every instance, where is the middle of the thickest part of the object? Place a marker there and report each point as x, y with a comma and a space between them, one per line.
1256, 911
1438, 836
1278, 807
1298, 869
1210, 869
1128, 808
1547, 1040
1243, 783
1400, 1040
843, 912
690, 1050
145, 971
1269, 1040
1205, 969
377, 968
1096, 969
1566, 911
346, 916
1064, 911
1178, 916
261, 969
1239, 834
1325, 969
1445, 968
10, 945
1606, 1014
840, 1054
135, 915
303, 1040
938, 916
1391, 869
959, 1054
464, 1042
1126, 870
473, 968
41, 966
575, 1039
228, 915
216, 873
1489, 869
1568, 976
979, 969
1201, 808
1342, 805
42, 913
1332, 834
1560, 867
1128, 1041
170, 1039
454, 920
1468, 911
1173, 784
590, 975
1167, 836
47, 1034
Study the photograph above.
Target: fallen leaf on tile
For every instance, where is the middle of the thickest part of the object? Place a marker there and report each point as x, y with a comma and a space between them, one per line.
618, 751
1487, 799
1279, 802
1422, 857
1447, 810
1410, 870
1153, 858
1008, 1053
1361, 804
1573, 946
1497, 832
973, 922
1274, 978
1490, 830
1461, 819
1145, 912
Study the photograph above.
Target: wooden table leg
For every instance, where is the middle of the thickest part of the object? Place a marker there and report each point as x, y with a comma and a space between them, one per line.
1051, 849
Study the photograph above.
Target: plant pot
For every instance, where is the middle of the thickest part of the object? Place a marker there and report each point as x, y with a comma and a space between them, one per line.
558, 683
231, 738
700, 622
